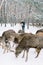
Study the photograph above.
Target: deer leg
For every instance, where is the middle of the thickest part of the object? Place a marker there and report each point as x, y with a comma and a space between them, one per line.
23, 53
7, 46
3, 47
27, 54
13, 45
7, 50
4, 50
38, 51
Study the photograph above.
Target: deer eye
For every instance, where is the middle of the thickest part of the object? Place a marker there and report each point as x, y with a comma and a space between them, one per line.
16, 40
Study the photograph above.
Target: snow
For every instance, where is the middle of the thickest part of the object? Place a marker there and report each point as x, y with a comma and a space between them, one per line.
10, 59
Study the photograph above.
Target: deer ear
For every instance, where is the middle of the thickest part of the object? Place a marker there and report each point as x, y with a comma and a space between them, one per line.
16, 40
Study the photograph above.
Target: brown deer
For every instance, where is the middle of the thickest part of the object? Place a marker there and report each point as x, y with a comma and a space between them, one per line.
20, 31
39, 33
7, 36
28, 41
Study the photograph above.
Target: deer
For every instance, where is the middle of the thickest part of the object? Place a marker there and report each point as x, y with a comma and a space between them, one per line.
28, 41
21, 31
6, 37
39, 33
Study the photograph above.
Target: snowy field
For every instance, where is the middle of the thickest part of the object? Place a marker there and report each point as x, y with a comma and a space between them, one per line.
10, 59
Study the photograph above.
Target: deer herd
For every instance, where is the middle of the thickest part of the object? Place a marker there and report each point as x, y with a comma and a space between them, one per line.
23, 41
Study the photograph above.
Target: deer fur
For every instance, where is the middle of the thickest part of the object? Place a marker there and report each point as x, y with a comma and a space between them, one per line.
7, 36
28, 41
39, 33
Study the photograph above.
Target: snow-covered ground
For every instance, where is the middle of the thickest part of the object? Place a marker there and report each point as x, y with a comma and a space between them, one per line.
10, 59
